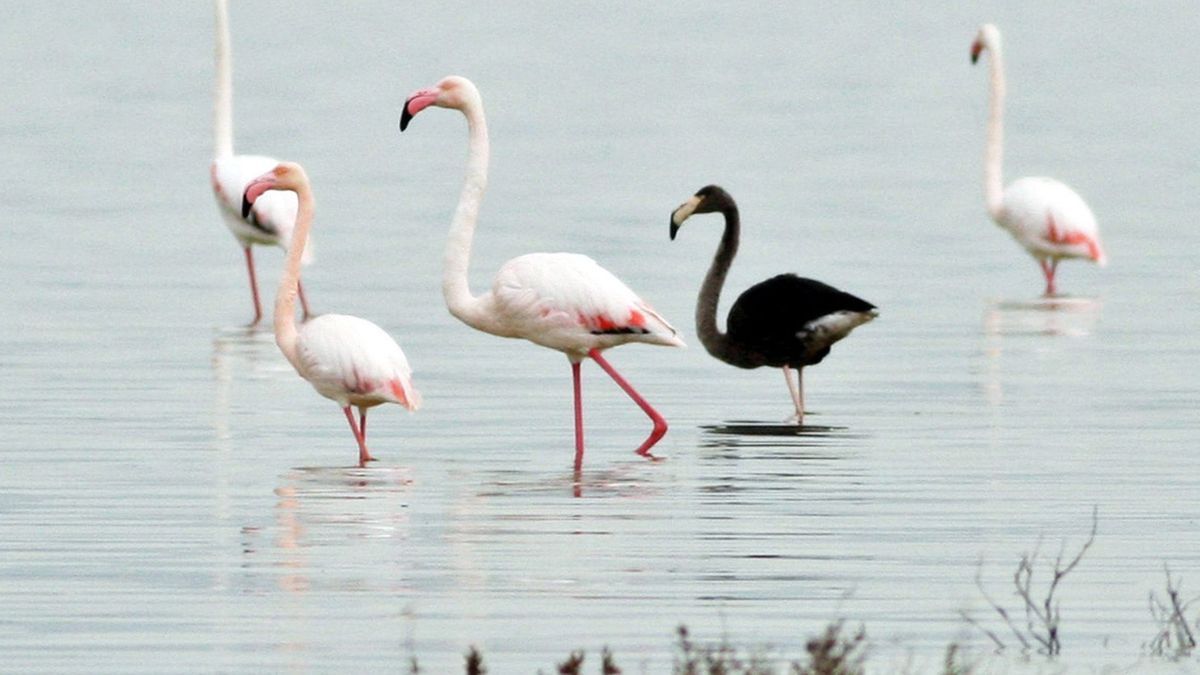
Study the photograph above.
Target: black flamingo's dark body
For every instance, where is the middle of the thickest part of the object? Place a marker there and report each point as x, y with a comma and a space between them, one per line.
777, 322
786, 322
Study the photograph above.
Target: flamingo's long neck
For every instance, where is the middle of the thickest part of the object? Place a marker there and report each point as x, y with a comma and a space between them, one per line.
993, 164
716, 342
456, 286
285, 297
223, 94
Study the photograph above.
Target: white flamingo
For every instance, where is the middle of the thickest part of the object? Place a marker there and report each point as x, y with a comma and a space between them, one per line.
1045, 216
274, 216
346, 359
563, 301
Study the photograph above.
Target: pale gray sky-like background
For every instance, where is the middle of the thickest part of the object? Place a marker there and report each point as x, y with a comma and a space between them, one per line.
173, 496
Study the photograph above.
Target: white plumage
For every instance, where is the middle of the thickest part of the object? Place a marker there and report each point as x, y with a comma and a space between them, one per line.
352, 361
568, 302
273, 217
348, 360
1046, 217
835, 326
562, 301
1050, 220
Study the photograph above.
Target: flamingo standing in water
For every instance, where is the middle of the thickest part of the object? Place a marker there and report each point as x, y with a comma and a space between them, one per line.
786, 322
346, 359
1045, 216
563, 301
273, 217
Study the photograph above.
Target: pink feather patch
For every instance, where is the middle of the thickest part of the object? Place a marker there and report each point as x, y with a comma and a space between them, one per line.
1071, 238
398, 390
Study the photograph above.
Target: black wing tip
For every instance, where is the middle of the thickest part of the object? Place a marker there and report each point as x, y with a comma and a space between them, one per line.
623, 330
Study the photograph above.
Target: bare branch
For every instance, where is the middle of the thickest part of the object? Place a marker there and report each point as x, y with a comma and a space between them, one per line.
1042, 617
1000, 646
1175, 638
999, 610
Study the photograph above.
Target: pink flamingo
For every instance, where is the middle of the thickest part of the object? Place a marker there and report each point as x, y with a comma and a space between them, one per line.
346, 359
273, 217
1045, 216
563, 301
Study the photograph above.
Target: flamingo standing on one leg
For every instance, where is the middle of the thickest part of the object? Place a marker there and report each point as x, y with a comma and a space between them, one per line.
1045, 216
787, 321
563, 301
347, 359
273, 217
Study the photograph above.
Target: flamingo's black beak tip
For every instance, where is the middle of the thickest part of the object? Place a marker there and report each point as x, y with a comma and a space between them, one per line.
246, 207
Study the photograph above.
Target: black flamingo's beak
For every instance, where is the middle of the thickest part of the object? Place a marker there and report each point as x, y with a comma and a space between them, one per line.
246, 204
976, 48
405, 117
683, 212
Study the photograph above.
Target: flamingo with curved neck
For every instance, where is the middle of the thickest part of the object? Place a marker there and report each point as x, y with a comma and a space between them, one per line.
563, 301
346, 359
786, 322
1045, 216
271, 221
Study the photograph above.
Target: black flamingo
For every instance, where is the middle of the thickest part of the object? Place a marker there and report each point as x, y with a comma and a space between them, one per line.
786, 322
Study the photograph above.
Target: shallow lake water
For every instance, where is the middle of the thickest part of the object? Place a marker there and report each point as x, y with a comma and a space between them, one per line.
174, 497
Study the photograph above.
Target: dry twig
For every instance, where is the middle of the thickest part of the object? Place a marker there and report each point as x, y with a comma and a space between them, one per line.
1042, 618
1175, 638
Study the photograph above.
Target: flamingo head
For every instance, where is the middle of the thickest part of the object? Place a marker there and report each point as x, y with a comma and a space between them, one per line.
708, 199
988, 38
452, 92
285, 176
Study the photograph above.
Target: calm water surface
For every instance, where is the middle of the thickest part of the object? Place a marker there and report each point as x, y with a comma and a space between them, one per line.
173, 497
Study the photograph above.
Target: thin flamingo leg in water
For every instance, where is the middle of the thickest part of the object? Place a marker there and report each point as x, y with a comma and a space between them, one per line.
1049, 267
303, 299
362, 423
660, 424
363, 455
253, 287
578, 417
796, 389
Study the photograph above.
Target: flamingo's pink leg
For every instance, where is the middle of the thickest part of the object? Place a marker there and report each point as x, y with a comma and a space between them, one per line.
253, 287
362, 423
660, 424
303, 300
578, 417
796, 388
363, 455
1049, 267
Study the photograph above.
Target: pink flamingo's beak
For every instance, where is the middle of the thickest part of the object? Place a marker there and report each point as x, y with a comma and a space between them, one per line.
976, 49
418, 101
255, 189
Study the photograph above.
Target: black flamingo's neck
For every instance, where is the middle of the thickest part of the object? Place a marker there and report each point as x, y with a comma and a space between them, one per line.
716, 342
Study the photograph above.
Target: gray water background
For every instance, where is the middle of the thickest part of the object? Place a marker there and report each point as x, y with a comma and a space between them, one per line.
173, 497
